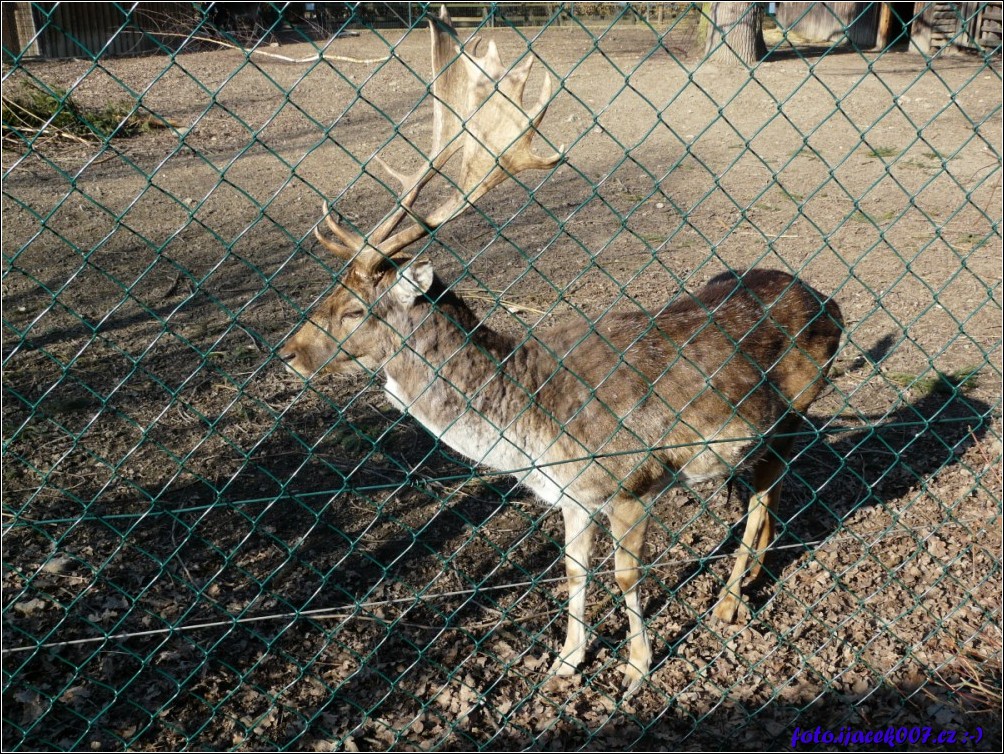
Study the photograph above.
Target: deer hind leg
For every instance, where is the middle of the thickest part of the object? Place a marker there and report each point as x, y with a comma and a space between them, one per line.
628, 522
762, 511
579, 532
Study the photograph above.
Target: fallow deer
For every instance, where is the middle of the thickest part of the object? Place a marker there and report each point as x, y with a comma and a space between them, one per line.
597, 418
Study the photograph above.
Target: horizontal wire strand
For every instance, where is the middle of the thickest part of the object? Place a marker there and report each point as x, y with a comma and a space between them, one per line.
326, 612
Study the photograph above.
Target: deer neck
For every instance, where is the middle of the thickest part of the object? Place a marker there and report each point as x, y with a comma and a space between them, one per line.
467, 384
447, 350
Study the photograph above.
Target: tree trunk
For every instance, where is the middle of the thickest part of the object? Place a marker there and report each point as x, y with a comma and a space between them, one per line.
735, 36
884, 26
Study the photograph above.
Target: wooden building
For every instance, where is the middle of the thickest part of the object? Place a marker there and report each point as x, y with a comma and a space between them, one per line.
90, 30
972, 26
927, 27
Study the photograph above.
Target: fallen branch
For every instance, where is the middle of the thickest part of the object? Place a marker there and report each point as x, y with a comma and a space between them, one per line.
275, 56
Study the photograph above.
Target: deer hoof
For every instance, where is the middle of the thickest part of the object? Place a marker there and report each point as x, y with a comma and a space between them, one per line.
563, 668
633, 678
727, 609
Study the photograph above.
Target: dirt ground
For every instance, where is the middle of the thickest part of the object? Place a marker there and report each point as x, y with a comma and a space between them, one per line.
290, 565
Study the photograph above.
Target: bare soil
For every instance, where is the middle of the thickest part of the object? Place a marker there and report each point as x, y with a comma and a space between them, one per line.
291, 565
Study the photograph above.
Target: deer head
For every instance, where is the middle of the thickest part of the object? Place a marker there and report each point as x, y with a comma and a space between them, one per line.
478, 113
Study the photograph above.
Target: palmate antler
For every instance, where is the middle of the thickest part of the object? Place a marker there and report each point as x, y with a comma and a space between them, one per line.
478, 113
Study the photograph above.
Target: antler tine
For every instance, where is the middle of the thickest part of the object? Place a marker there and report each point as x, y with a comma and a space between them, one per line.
478, 111
351, 242
411, 186
446, 129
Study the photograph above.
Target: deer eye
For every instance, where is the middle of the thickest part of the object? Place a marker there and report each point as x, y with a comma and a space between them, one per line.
353, 315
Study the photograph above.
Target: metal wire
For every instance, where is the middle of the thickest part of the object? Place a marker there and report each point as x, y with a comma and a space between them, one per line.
179, 519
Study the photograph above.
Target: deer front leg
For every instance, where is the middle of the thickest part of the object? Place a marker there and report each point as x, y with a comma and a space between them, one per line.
729, 600
759, 531
628, 522
579, 531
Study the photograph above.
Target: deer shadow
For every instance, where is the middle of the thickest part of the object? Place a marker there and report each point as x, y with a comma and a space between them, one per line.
923, 437
890, 457
418, 477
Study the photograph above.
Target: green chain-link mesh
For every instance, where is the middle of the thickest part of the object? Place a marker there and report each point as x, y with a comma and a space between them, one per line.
204, 552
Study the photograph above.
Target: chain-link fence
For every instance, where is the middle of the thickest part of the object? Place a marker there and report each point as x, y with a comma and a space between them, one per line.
204, 551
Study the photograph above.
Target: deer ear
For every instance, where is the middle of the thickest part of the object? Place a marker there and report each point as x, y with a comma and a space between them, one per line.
413, 281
